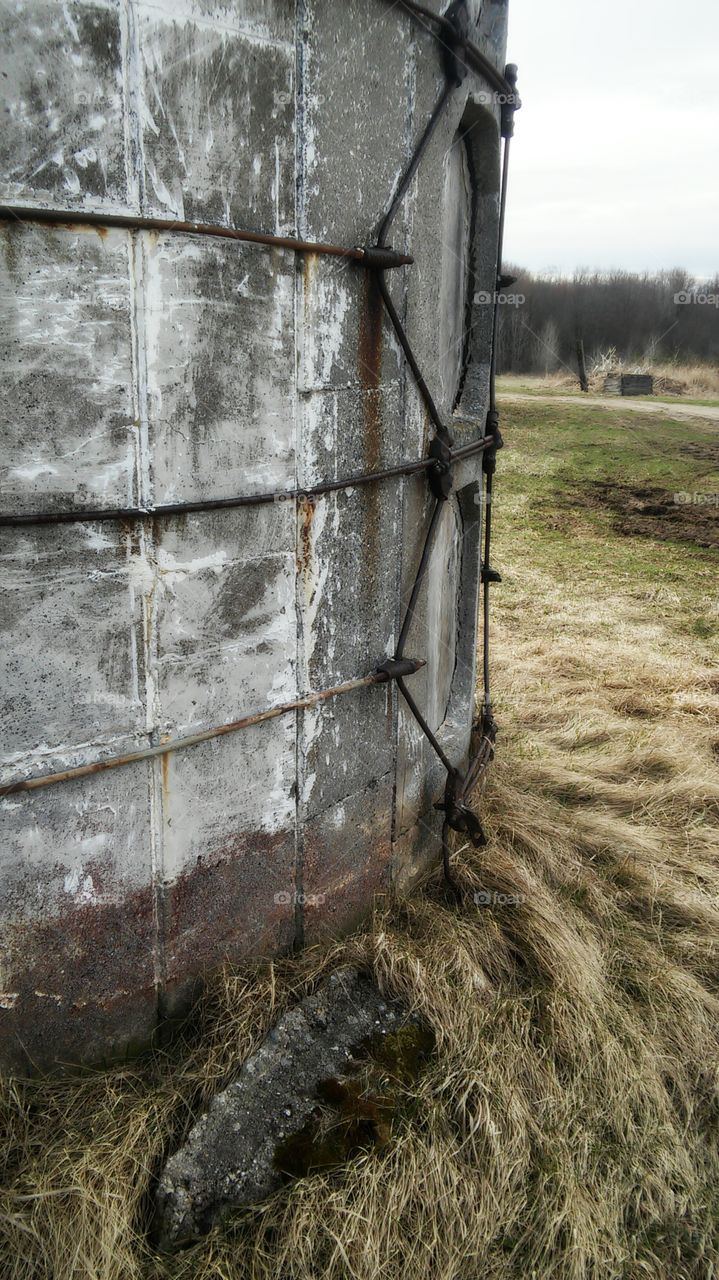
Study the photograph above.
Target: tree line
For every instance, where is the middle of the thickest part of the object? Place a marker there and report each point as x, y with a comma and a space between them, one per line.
639, 319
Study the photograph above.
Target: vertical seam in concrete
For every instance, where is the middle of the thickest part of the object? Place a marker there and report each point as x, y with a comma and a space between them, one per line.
411, 90
132, 129
146, 558
300, 222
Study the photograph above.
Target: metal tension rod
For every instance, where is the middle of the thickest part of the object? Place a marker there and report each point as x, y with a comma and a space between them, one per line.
391, 669
91, 515
129, 222
475, 59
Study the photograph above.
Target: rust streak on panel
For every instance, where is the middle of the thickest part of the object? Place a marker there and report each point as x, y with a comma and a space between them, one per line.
82, 979
305, 513
165, 767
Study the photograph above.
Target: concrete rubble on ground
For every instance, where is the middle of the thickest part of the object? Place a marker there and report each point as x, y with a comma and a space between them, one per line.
228, 1158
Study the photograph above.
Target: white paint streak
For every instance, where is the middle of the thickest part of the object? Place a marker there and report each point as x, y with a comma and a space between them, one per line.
79, 886
175, 570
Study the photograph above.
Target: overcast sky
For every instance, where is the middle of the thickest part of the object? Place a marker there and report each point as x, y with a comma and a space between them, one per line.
615, 161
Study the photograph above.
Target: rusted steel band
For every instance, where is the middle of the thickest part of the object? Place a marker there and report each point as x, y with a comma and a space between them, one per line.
129, 222
93, 515
386, 672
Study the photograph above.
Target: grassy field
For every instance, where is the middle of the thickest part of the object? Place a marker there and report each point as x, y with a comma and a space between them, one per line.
567, 1126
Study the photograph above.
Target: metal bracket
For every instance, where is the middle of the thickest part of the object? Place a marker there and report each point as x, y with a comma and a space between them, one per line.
458, 815
383, 257
489, 457
512, 102
439, 476
454, 41
490, 575
395, 668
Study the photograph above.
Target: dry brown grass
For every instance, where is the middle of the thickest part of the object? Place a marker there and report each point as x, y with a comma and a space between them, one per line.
694, 379
700, 381
568, 1127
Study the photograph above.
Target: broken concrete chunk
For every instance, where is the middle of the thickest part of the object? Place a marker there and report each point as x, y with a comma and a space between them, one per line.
229, 1157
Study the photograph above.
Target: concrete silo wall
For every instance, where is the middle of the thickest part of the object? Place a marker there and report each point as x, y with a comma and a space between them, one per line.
146, 367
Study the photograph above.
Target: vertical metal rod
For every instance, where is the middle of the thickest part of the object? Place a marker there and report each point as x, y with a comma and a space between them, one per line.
486, 700
500, 251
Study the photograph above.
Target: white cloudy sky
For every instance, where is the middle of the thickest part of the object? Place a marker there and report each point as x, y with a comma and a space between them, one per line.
615, 161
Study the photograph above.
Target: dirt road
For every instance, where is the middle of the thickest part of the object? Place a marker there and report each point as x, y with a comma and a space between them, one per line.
709, 412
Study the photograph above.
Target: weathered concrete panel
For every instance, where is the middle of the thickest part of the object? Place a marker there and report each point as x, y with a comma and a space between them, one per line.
491, 29
74, 676
349, 431
347, 851
261, 20
226, 631
63, 137
354, 143
347, 580
78, 947
344, 341
343, 746
210, 95
225, 637
219, 324
444, 630
347, 602
228, 850
70, 432
414, 852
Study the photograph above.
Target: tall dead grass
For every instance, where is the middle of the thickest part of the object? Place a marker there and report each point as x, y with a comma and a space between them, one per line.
699, 381
568, 1125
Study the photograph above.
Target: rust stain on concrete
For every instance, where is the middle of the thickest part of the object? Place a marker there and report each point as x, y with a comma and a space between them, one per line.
84, 227
82, 983
165, 768
309, 262
305, 515
236, 903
